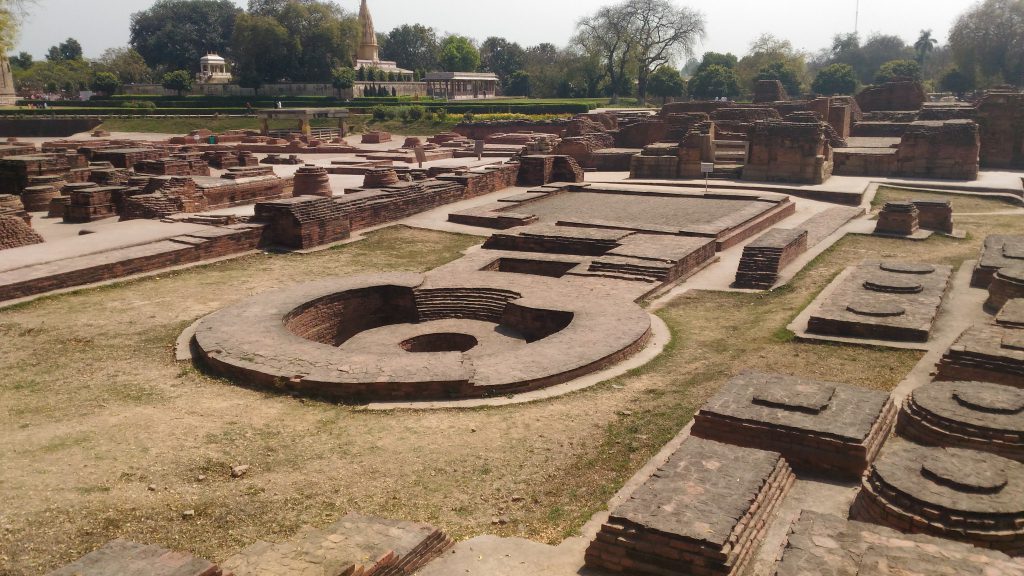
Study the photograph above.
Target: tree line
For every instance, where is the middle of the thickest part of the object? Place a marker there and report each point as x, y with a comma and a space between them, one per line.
633, 48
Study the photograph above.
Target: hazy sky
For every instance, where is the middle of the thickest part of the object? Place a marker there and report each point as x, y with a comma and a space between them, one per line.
732, 24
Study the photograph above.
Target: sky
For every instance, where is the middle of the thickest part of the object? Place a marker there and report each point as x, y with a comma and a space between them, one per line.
732, 24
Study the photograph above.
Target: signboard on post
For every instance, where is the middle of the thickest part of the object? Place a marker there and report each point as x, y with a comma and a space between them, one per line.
478, 149
706, 168
421, 155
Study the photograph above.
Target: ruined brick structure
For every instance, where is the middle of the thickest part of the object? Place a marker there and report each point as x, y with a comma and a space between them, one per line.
898, 219
789, 152
935, 215
1000, 116
539, 170
769, 91
90, 204
179, 165
301, 222
940, 149
165, 196
15, 232
892, 96
312, 181
767, 255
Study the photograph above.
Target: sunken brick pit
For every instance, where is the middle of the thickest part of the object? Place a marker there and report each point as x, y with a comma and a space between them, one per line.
404, 337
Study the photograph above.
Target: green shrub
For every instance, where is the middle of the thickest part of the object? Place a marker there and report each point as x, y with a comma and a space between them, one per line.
416, 113
382, 112
140, 105
468, 116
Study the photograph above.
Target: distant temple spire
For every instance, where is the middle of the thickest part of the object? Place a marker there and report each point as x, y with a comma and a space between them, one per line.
368, 49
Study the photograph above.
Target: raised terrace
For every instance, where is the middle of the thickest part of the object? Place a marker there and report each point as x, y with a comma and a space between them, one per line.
824, 428
986, 352
999, 251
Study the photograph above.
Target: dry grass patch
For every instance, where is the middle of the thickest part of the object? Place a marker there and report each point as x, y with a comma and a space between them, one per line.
962, 203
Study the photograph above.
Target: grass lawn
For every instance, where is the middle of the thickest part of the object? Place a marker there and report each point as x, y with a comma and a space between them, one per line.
962, 203
95, 411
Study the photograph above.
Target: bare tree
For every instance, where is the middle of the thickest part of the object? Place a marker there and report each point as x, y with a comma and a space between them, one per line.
662, 33
609, 34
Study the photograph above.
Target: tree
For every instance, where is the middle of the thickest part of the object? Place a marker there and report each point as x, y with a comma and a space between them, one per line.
663, 32
715, 81
898, 70
608, 34
324, 36
412, 46
69, 49
106, 83
518, 84
459, 55
716, 59
988, 42
956, 82
924, 46
180, 81
262, 49
770, 58
502, 57
175, 34
835, 79
127, 64
667, 82
866, 59
50, 76
11, 14
343, 79
23, 61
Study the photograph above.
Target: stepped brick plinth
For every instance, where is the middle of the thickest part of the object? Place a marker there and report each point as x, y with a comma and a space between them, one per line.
37, 198
377, 137
380, 178
987, 353
125, 558
999, 251
16, 232
302, 222
823, 428
767, 255
1012, 314
1007, 284
9, 203
312, 181
822, 544
975, 415
355, 545
883, 301
935, 215
91, 204
898, 219
974, 497
705, 511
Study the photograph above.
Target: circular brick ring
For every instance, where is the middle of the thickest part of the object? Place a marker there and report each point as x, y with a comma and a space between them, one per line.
876, 309
403, 337
907, 268
893, 285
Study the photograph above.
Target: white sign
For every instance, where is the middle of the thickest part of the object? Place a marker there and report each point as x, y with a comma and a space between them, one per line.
707, 167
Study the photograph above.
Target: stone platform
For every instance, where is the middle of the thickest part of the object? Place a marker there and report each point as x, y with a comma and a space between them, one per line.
125, 558
703, 512
882, 301
405, 337
1012, 314
999, 251
973, 497
988, 353
355, 545
821, 544
827, 429
975, 415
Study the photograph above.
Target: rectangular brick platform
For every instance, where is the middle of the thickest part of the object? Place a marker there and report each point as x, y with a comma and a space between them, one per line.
824, 544
988, 353
766, 256
703, 513
849, 309
999, 251
825, 428
123, 558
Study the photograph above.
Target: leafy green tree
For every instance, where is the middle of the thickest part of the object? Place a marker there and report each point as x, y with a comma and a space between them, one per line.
898, 70
180, 81
412, 46
175, 34
11, 14
106, 83
325, 38
780, 71
23, 61
924, 46
715, 81
262, 49
502, 57
608, 34
519, 84
50, 76
667, 82
343, 79
956, 82
835, 79
69, 49
717, 59
986, 42
459, 55
127, 64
